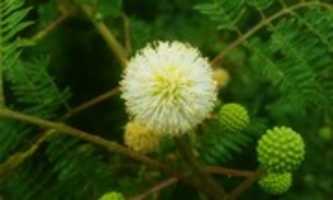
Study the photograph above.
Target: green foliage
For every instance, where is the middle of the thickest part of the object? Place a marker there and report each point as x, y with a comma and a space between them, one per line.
218, 147
304, 54
35, 90
226, 13
11, 15
282, 71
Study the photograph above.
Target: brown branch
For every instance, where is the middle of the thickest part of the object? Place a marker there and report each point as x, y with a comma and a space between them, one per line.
18, 158
52, 26
245, 185
201, 178
90, 103
159, 186
229, 172
64, 129
216, 61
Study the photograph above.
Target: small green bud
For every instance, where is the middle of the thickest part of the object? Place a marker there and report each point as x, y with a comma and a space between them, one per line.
276, 183
233, 117
112, 196
281, 150
325, 133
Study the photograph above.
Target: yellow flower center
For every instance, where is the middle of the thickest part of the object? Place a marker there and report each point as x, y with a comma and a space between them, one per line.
169, 83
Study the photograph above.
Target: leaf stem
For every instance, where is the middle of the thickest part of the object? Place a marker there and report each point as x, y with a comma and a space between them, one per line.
245, 185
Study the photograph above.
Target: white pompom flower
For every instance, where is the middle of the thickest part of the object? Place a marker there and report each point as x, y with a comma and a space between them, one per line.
169, 87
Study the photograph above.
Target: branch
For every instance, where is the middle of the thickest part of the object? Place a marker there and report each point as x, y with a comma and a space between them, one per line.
64, 129
216, 61
229, 172
108, 36
92, 102
203, 180
245, 185
159, 186
44, 32
18, 158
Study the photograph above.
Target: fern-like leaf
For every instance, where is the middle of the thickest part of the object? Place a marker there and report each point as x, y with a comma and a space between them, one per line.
12, 14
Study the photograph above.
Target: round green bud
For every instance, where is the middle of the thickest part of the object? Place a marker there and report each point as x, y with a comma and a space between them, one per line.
280, 150
112, 196
233, 117
276, 183
325, 133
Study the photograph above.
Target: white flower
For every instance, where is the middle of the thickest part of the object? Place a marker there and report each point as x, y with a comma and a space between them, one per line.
168, 86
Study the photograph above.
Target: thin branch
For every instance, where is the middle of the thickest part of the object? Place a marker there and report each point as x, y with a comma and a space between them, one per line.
216, 61
229, 172
203, 180
26, 42
118, 50
52, 26
245, 185
64, 129
159, 186
92, 102
42, 136
18, 158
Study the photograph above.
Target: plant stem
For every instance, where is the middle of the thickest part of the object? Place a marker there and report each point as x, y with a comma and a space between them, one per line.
229, 172
92, 102
216, 61
245, 185
18, 158
62, 128
201, 177
118, 50
159, 186
53, 25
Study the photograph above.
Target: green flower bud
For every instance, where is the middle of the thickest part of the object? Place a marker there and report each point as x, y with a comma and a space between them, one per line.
234, 117
276, 183
280, 150
112, 196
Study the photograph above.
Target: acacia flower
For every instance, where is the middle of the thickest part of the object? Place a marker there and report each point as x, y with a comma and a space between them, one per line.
169, 87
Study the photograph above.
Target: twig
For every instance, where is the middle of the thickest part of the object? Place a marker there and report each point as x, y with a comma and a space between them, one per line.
229, 172
14, 161
107, 35
245, 185
53, 25
64, 129
262, 24
3, 167
26, 42
200, 177
159, 186
92, 102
